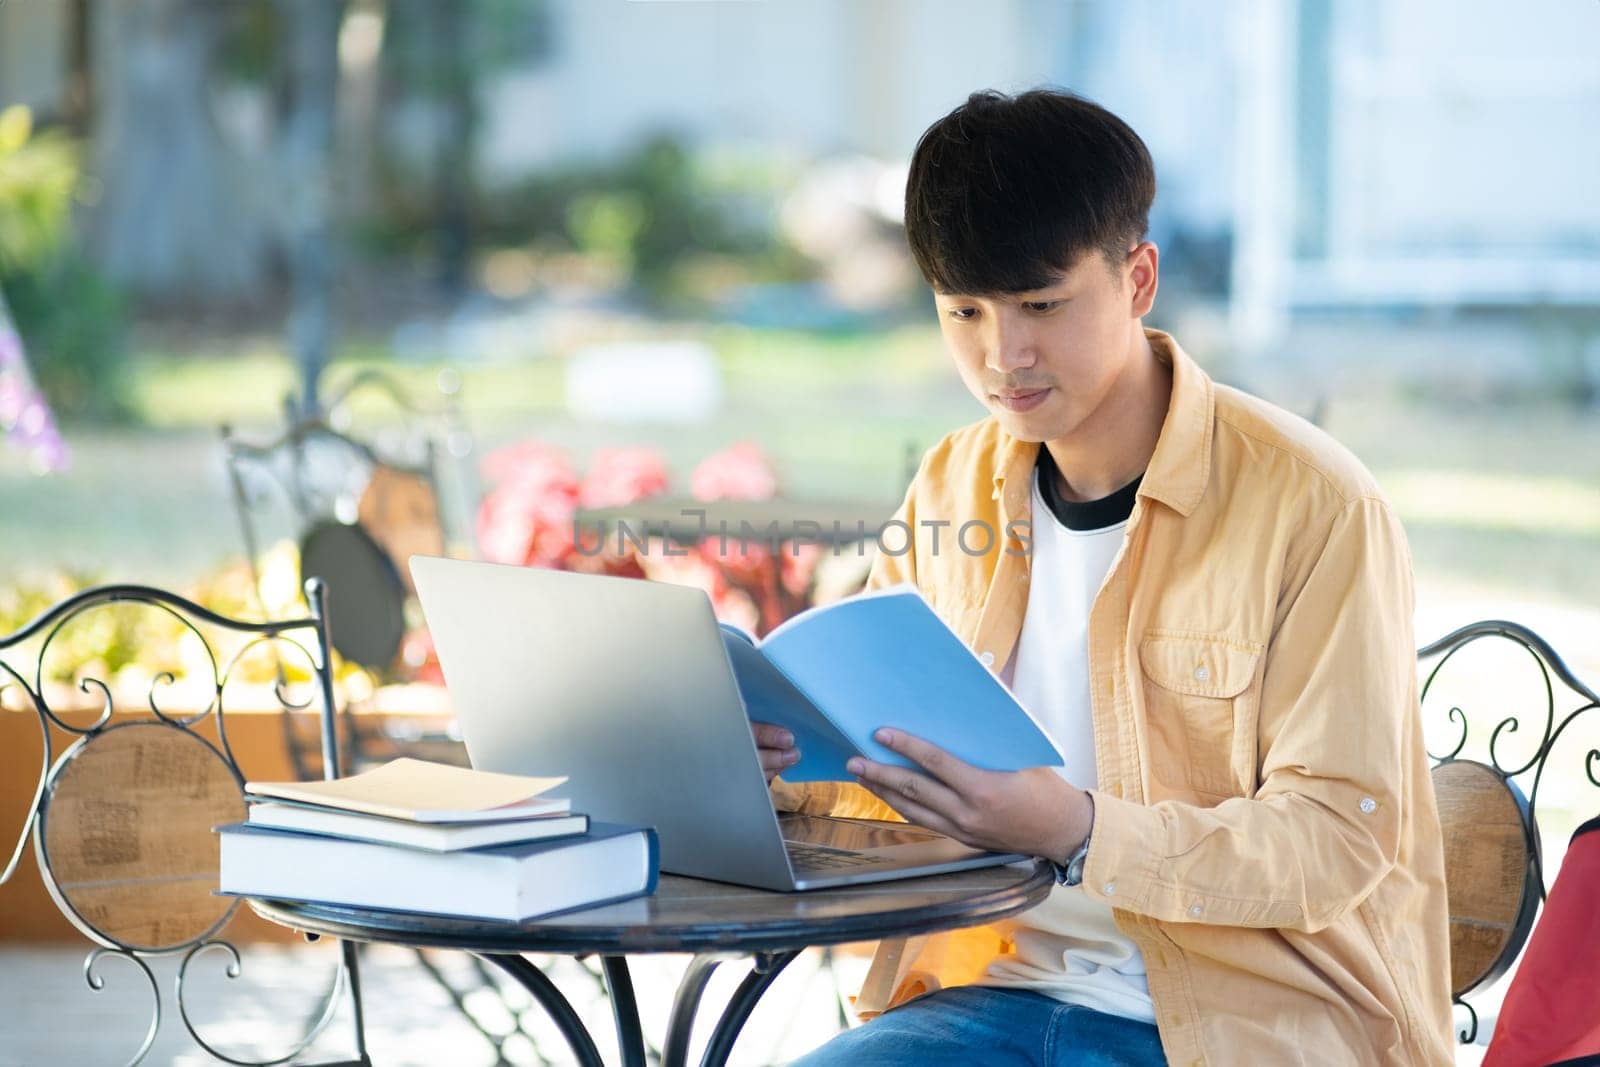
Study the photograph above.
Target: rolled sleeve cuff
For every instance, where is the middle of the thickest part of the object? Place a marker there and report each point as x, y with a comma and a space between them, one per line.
1121, 865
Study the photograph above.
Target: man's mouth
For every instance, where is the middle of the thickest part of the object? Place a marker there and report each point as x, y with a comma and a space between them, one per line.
1021, 399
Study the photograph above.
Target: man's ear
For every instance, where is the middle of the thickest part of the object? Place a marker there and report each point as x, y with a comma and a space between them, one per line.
1143, 269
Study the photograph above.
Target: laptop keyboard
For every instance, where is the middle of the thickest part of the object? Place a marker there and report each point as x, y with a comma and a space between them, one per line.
805, 857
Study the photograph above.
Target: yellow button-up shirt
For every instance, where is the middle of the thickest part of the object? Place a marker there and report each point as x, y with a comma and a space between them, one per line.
1265, 825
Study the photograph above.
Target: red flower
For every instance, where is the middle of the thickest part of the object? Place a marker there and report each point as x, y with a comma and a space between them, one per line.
619, 476
744, 560
798, 567
529, 460
528, 517
737, 473
627, 565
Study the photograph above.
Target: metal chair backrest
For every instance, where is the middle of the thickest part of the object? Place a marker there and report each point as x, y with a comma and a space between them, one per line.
122, 818
1523, 699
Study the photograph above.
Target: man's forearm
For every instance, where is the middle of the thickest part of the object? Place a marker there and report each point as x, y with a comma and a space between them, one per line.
1243, 862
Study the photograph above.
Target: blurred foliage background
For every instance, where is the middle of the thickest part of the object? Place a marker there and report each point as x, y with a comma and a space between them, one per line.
1382, 219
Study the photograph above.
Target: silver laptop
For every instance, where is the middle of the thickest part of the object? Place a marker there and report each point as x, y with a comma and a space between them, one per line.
625, 686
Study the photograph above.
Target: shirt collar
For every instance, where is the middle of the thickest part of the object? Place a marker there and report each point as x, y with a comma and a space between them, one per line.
1181, 465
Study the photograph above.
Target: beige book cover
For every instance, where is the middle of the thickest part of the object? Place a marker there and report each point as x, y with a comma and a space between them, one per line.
423, 791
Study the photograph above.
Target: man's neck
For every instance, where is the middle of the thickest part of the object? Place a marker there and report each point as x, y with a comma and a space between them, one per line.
1114, 445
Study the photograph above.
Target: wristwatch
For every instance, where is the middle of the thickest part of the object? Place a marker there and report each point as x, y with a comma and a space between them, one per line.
1071, 872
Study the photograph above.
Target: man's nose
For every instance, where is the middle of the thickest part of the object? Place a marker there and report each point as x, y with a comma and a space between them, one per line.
1010, 347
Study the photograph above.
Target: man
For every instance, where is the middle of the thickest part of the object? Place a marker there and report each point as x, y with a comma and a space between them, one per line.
1207, 606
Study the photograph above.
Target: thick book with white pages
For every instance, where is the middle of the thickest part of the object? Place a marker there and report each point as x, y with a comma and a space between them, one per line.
424, 791
510, 882
834, 674
435, 837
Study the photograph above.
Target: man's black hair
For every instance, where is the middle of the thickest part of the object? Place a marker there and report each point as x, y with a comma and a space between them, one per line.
1007, 192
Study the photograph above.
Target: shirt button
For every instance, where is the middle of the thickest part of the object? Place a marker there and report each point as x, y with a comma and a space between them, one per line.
1368, 805
987, 659
1194, 909
1201, 673
1110, 889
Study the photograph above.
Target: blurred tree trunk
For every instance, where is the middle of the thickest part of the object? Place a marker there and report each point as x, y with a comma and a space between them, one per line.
174, 222
455, 145
430, 67
307, 153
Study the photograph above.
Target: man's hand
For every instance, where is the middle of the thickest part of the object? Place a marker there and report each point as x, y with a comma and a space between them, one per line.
775, 745
1034, 812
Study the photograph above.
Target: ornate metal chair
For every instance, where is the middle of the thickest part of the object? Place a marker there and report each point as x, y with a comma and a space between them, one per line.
432, 435
407, 481
357, 511
1491, 782
122, 818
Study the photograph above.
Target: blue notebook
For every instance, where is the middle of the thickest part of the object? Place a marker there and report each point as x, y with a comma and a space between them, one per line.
835, 674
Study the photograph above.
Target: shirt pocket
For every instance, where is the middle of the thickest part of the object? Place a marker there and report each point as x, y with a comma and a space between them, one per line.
1200, 709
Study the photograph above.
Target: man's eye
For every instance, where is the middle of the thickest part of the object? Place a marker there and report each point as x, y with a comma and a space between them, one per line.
962, 314
1040, 306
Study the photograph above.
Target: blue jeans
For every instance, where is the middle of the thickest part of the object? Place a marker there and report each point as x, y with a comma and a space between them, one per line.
982, 1025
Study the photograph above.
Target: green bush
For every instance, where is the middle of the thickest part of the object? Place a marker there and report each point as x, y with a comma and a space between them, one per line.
659, 214
69, 315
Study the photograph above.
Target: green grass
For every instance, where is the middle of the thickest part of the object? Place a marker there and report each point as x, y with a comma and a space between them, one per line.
1499, 501
761, 369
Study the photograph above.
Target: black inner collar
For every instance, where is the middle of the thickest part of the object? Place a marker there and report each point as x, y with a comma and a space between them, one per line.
1087, 514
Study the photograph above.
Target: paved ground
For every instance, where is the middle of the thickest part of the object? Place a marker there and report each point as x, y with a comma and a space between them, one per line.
48, 1015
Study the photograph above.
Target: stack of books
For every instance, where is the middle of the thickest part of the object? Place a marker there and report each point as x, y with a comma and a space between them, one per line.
435, 839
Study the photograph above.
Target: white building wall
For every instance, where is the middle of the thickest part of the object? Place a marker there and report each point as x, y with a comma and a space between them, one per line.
815, 75
1360, 153
1468, 127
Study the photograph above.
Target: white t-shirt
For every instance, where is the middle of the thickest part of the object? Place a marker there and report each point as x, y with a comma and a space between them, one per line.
1068, 947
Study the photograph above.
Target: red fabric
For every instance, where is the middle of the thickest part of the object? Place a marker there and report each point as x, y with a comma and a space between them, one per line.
1551, 1012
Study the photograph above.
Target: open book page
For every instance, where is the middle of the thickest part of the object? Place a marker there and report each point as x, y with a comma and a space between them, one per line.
771, 697
793, 621
887, 659
424, 791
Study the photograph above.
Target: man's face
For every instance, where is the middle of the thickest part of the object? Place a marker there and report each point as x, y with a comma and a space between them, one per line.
1043, 362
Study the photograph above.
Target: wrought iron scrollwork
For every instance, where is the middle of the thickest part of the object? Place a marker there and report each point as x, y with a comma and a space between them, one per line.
46, 758
1589, 759
49, 626
324, 1015
98, 983
1551, 668
1536, 648
1469, 1033
280, 685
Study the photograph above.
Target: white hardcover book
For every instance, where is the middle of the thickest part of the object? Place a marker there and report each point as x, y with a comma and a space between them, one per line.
508, 882
434, 837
